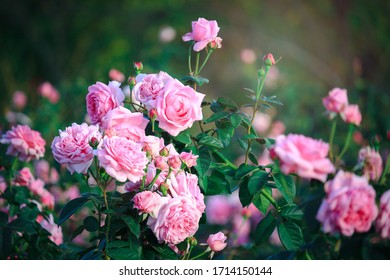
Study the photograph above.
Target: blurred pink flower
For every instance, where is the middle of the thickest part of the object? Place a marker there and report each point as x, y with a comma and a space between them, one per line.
277, 128
219, 209
241, 230
146, 201
261, 122
55, 230
336, 100
24, 143
351, 114
116, 75
217, 242
383, 221
357, 137
47, 199
302, 155
248, 56
372, 163
349, 205
19, 99
167, 34
47, 90
23, 177
203, 32
3, 184
37, 187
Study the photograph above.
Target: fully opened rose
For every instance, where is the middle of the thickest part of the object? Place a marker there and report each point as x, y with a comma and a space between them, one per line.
203, 32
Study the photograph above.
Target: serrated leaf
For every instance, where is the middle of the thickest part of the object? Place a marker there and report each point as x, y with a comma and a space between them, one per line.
211, 141
285, 185
225, 132
183, 137
91, 224
198, 80
71, 207
203, 162
264, 229
236, 119
290, 235
260, 201
257, 181
216, 116
217, 184
243, 170
291, 211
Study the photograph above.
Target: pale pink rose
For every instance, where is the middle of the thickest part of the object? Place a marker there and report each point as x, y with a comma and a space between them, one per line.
219, 210
124, 123
122, 159
102, 98
116, 75
203, 32
174, 162
47, 90
248, 56
349, 205
336, 100
19, 99
146, 201
149, 87
217, 242
277, 128
372, 163
351, 114
176, 220
37, 187
302, 155
55, 230
153, 144
189, 159
241, 230
72, 148
161, 163
171, 150
261, 122
24, 143
178, 108
382, 224
47, 199
23, 177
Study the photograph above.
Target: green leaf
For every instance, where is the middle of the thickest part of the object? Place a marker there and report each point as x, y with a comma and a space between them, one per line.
21, 195
291, 211
126, 253
225, 132
236, 119
244, 170
71, 207
253, 158
198, 80
165, 252
132, 224
203, 161
216, 117
211, 141
183, 137
91, 224
216, 107
269, 142
227, 103
290, 235
257, 181
22, 225
217, 184
244, 194
264, 229
260, 201
3, 219
285, 185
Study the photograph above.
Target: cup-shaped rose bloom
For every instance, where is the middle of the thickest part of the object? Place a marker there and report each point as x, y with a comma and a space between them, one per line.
349, 205
178, 108
302, 155
176, 220
372, 163
102, 98
382, 224
217, 242
146, 201
124, 123
336, 100
123, 159
24, 143
73, 148
351, 114
203, 32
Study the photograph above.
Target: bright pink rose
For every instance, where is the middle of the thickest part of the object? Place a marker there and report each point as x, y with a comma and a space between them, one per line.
179, 107
53, 229
351, 114
73, 149
302, 155
102, 98
153, 145
349, 205
219, 209
189, 159
382, 224
124, 123
19, 99
203, 32
122, 159
116, 75
47, 90
176, 220
372, 163
47, 199
217, 242
146, 201
336, 100
24, 143
23, 177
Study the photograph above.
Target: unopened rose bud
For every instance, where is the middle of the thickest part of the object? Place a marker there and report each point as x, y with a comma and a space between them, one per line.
217, 242
138, 67
94, 142
246, 212
174, 162
261, 73
269, 60
153, 114
192, 241
132, 81
160, 163
148, 150
164, 152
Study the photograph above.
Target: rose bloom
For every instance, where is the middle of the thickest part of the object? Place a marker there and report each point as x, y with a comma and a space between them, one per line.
124, 123
24, 143
351, 114
336, 100
146, 201
178, 108
302, 155
37, 187
176, 220
189, 159
382, 224
217, 242
19, 99
23, 177
102, 98
47, 199
153, 145
47, 90
122, 159
73, 148
203, 32
372, 163
55, 230
116, 75
349, 205
219, 209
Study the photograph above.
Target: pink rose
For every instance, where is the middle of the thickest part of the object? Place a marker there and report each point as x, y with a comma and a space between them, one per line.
47, 199
24, 177
47, 90
19, 99
203, 32
349, 205
37, 187
54, 230
336, 100
116, 75
153, 144
176, 220
241, 230
382, 224
217, 242
302, 155
372, 163
124, 123
44, 172
73, 149
174, 162
122, 159
3, 184
146, 201
219, 209
189, 159
24, 143
161, 163
102, 98
178, 108
351, 114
